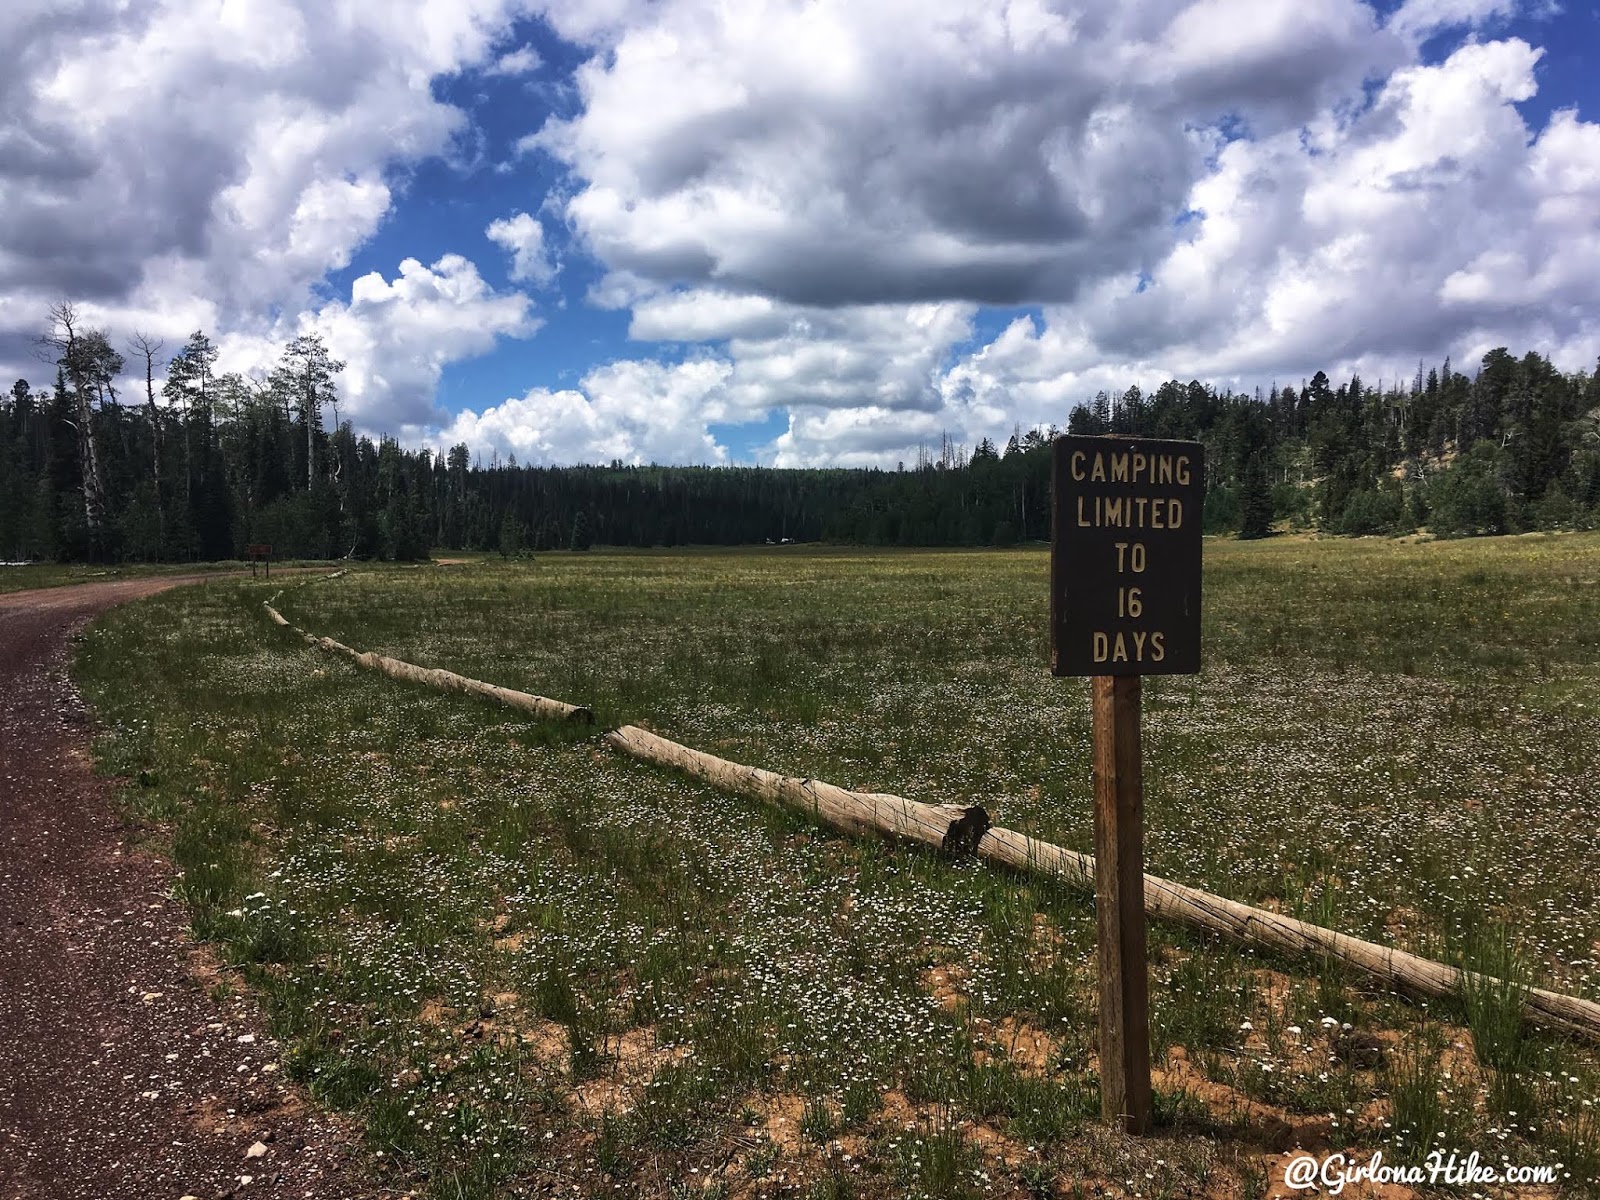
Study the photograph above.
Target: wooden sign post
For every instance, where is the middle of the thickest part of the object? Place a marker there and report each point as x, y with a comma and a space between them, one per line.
258, 552
1124, 602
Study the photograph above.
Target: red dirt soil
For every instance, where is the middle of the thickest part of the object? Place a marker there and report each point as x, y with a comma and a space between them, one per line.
120, 1076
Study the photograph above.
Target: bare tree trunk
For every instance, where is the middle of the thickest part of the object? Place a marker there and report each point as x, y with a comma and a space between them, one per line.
150, 348
94, 496
311, 441
63, 340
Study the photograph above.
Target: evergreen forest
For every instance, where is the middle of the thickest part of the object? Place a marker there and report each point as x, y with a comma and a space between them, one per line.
202, 464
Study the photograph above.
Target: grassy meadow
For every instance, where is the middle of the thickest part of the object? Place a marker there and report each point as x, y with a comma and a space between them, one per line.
530, 965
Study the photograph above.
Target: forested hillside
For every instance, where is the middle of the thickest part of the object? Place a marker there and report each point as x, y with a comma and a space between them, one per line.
206, 463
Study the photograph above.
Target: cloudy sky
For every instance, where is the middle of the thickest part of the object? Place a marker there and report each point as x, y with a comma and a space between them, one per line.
799, 233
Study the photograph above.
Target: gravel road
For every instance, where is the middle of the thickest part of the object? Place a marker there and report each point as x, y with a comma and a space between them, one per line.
120, 1076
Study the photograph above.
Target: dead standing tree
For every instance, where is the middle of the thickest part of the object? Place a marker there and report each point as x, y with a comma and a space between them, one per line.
148, 347
89, 366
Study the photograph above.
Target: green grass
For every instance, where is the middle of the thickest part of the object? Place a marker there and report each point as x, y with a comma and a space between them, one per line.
524, 960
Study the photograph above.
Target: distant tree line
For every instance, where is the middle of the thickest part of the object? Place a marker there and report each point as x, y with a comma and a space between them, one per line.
210, 462
1515, 447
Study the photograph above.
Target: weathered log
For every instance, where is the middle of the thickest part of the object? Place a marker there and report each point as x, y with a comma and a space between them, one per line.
965, 830
1398, 970
951, 828
539, 706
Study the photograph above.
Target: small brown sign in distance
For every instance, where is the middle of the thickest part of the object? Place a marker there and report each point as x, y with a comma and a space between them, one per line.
1125, 556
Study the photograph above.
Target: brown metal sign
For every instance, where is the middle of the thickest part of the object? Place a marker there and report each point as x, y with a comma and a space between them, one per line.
1125, 556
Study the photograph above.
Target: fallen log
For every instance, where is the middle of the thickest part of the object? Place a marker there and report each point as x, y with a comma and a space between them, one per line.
950, 828
1398, 970
964, 830
539, 706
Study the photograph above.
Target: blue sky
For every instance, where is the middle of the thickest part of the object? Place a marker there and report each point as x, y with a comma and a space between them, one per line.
793, 233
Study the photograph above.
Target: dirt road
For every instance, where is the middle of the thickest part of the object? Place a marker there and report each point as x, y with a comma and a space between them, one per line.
120, 1076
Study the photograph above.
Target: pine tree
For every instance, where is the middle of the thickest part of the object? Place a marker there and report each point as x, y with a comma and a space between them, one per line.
306, 380
511, 537
1255, 503
582, 539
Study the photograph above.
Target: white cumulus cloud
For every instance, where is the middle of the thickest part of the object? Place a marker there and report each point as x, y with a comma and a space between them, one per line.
829, 192
635, 411
1434, 223
396, 337
806, 205
522, 61
175, 163
522, 237
838, 152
